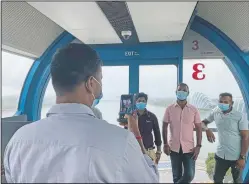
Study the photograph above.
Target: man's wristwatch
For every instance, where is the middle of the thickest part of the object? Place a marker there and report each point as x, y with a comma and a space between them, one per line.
198, 145
242, 157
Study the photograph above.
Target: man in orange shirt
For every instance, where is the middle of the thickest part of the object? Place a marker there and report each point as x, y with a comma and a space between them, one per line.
182, 117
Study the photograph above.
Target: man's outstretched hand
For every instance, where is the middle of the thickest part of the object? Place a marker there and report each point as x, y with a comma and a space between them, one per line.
210, 136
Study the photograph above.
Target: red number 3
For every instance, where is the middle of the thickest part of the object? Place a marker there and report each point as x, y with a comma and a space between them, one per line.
197, 71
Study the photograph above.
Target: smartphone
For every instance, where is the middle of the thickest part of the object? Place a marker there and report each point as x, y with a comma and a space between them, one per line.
127, 104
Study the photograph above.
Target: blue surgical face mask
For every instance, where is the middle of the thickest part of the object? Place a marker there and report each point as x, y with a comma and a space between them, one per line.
96, 101
141, 105
182, 95
224, 107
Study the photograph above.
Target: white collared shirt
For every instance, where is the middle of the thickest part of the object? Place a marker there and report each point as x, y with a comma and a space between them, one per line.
71, 145
97, 112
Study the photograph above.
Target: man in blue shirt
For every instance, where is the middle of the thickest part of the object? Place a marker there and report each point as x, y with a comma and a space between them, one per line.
233, 140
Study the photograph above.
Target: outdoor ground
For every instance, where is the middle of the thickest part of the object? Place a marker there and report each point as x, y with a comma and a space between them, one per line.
164, 168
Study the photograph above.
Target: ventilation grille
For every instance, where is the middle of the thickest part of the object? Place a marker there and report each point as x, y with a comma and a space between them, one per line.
232, 18
26, 29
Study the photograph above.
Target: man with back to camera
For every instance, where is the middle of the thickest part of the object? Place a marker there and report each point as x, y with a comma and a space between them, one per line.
233, 136
71, 145
148, 123
182, 117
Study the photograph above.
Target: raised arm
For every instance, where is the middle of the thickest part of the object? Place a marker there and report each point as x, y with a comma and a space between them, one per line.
133, 127
205, 122
208, 120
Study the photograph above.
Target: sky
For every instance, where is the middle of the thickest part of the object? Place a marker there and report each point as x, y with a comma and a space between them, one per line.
156, 81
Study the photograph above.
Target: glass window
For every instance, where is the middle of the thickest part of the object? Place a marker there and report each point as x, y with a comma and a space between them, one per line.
204, 95
159, 83
115, 83
14, 71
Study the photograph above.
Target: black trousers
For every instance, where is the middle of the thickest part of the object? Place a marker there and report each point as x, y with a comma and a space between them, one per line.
222, 166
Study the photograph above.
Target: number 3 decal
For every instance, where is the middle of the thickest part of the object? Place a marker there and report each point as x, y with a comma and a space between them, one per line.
197, 71
196, 45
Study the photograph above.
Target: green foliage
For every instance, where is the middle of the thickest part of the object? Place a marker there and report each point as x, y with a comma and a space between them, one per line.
210, 164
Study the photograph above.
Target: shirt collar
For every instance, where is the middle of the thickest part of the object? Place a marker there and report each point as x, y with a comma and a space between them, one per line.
145, 112
70, 108
176, 104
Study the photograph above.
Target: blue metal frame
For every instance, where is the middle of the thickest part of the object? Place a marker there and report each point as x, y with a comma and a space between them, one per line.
36, 80
142, 53
133, 78
180, 67
163, 53
236, 59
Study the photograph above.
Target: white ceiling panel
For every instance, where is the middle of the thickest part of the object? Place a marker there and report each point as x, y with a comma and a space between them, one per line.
84, 20
160, 21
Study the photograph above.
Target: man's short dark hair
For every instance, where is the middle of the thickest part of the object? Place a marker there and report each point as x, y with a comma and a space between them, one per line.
226, 94
140, 95
182, 84
73, 65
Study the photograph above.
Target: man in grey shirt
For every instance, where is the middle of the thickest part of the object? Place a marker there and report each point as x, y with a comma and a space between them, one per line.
97, 113
233, 136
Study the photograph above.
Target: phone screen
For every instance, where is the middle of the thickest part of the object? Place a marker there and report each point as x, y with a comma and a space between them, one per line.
126, 104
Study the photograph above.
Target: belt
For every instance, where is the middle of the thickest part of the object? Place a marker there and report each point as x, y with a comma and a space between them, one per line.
148, 149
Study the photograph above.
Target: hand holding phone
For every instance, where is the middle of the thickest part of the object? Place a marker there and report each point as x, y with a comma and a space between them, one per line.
133, 123
122, 120
127, 104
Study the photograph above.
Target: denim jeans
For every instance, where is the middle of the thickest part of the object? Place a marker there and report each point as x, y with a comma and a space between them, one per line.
182, 159
222, 166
